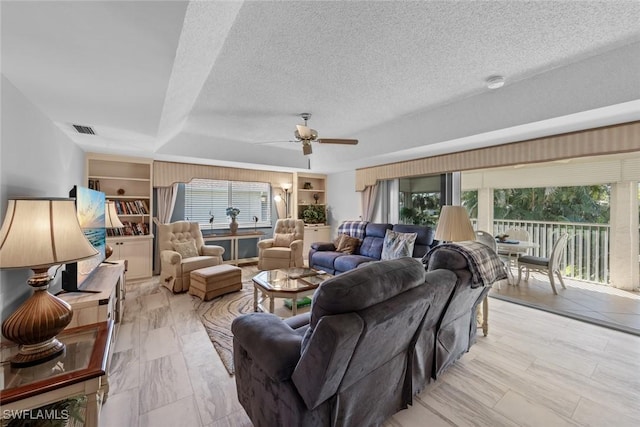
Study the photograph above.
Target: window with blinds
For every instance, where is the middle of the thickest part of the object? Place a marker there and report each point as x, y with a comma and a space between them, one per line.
208, 198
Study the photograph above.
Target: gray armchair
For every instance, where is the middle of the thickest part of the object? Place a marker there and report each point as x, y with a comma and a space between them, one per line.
351, 364
182, 250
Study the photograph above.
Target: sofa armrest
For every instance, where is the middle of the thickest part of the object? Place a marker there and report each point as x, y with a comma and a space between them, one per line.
266, 243
298, 321
211, 250
270, 342
170, 257
323, 246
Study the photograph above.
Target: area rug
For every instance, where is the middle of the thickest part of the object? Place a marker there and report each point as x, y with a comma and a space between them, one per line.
216, 316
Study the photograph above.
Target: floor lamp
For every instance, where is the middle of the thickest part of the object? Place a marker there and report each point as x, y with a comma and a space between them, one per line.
454, 225
38, 234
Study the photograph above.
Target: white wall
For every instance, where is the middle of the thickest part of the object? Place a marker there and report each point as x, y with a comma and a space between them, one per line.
342, 199
36, 159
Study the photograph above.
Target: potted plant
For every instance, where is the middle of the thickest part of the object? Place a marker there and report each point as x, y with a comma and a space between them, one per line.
313, 214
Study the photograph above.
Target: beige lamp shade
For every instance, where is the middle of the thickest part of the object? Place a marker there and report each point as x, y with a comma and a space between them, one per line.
454, 225
39, 233
111, 219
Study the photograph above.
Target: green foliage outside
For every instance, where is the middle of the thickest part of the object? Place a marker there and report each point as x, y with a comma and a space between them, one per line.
587, 204
422, 209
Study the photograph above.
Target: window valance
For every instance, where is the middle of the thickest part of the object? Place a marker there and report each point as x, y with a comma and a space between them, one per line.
166, 174
591, 142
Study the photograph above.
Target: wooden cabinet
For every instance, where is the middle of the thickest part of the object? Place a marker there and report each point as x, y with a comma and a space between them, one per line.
315, 233
137, 250
128, 181
310, 192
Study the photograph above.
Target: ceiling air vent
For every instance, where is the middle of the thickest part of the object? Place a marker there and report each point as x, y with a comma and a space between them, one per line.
84, 129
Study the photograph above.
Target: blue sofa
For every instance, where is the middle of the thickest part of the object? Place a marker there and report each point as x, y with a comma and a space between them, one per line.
323, 255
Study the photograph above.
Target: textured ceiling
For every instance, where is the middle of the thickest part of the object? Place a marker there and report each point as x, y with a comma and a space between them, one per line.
221, 82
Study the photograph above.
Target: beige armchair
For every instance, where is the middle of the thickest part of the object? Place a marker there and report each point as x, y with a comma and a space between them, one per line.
284, 250
182, 250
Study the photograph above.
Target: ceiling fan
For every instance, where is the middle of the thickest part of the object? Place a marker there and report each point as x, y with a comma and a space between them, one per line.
305, 134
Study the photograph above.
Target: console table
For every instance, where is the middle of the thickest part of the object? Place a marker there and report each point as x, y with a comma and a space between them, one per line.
234, 239
107, 304
80, 371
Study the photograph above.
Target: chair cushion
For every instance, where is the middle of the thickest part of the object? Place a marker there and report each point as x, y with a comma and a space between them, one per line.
535, 260
277, 252
197, 262
349, 262
325, 259
282, 240
397, 245
186, 249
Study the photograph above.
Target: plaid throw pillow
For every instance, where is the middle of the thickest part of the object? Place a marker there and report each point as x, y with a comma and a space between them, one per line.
353, 228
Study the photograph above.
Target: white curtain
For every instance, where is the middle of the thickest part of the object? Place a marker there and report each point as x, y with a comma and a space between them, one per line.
166, 202
369, 198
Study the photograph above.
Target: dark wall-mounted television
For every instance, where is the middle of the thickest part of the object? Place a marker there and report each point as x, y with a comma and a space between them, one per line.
90, 207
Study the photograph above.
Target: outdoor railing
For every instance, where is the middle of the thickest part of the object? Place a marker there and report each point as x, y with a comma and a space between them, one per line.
587, 254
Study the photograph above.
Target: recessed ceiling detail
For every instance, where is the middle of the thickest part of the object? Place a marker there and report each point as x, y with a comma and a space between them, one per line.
214, 80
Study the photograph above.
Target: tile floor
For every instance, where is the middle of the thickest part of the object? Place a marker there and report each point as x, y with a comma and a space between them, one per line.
599, 304
533, 369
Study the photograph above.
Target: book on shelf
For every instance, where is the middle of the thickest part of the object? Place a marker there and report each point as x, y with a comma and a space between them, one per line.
132, 207
94, 184
129, 229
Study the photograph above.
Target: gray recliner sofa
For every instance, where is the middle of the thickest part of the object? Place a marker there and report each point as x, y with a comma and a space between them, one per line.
323, 255
350, 362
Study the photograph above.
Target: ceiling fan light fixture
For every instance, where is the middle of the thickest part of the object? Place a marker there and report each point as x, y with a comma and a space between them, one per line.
306, 147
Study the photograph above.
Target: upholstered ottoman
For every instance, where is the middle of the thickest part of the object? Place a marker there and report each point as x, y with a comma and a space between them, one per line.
210, 282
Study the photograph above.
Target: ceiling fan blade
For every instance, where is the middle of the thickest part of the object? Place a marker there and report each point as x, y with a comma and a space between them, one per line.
338, 141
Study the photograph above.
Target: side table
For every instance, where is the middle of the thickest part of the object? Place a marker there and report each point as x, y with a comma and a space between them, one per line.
80, 371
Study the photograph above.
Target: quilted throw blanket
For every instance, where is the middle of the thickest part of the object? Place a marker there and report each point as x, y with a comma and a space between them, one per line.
353, 228
484, 264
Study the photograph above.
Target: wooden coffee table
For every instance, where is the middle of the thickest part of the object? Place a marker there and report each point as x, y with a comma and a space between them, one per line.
293, 283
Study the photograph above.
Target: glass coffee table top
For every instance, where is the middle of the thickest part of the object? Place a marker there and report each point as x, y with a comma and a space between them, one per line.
291, 279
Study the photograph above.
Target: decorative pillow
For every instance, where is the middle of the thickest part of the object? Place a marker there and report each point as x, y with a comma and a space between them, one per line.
282, 239
186, 249
348, 244
398, 245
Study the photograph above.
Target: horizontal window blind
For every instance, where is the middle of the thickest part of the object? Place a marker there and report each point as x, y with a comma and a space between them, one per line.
207, 198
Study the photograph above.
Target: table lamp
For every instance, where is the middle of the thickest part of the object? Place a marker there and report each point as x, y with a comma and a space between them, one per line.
38, 234
454, 225
111, 221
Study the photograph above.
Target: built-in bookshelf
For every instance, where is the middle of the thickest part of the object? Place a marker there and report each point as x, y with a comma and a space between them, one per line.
127, 181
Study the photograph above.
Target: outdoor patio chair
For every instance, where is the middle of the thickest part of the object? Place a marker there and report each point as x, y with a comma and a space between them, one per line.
549, 266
